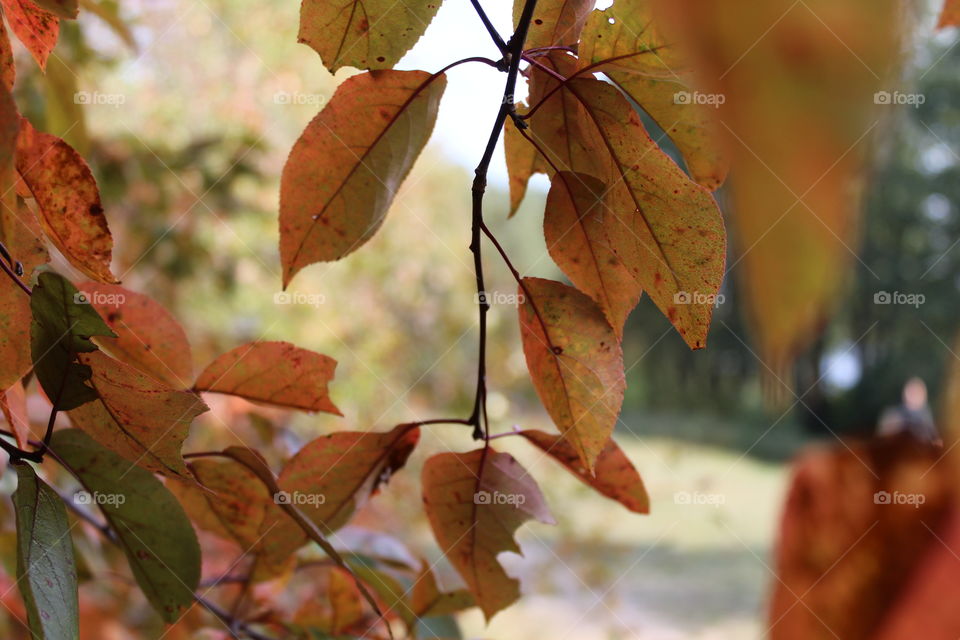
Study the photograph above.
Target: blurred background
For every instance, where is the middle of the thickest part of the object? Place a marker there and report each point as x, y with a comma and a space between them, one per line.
187, 111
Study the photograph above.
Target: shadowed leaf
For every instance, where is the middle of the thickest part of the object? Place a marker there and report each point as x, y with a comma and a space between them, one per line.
348, 164
522, 162
276, 373
427, 600
151, 527
575, 362
475, 502
61, 8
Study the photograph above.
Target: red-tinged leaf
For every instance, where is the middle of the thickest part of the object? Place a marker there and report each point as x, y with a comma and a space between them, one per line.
148, 336
20, 233
332, 476
68, 9
348, 164
8, 69
233, 503
427, 600
137, 417
276, 373
522, 162
576, 225
475, 502
867, 543
555, 22
616, 477
950, 17
13, 404
367, 35
37, 29
575, 362
68, 199
671, 235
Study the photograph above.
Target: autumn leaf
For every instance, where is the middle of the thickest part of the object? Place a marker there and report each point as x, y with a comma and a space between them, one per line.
427, 600
61, 330
61, 8
151, 527
137, 417
348, 164
13, 404
68, 199
37, 29
342, 470
522, 162
276, 373
148, 336
475, 502
367, 35
865, 548
575, 362
576, 224
46, 572
555, 22
616, 477
950, 17
343, 607
8, 68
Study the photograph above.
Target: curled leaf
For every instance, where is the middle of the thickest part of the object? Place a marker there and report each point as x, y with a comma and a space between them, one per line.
475, 502
276, 373
575, 361
348, 164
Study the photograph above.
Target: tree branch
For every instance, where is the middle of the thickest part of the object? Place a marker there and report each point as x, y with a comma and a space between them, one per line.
497, 40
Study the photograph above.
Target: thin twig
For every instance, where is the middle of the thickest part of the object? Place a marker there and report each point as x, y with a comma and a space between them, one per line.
497, 40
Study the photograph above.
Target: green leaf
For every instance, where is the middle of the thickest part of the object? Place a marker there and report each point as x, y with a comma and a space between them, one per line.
62, 327
348, 164
151, 526
46, 572
373, 34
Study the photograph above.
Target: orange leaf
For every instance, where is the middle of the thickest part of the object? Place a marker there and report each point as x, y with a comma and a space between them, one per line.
616, 477
8, 69
576, 223
575, 362
866, 545
348, 164
950, 17
69, 201
276, 373
137, 417
13, 403
522, 162
428, 600
37, 29
555, 22
475, 502
367, 35
332, 476
148, 336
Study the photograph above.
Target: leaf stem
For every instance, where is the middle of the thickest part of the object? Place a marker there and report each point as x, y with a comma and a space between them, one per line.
497, 40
